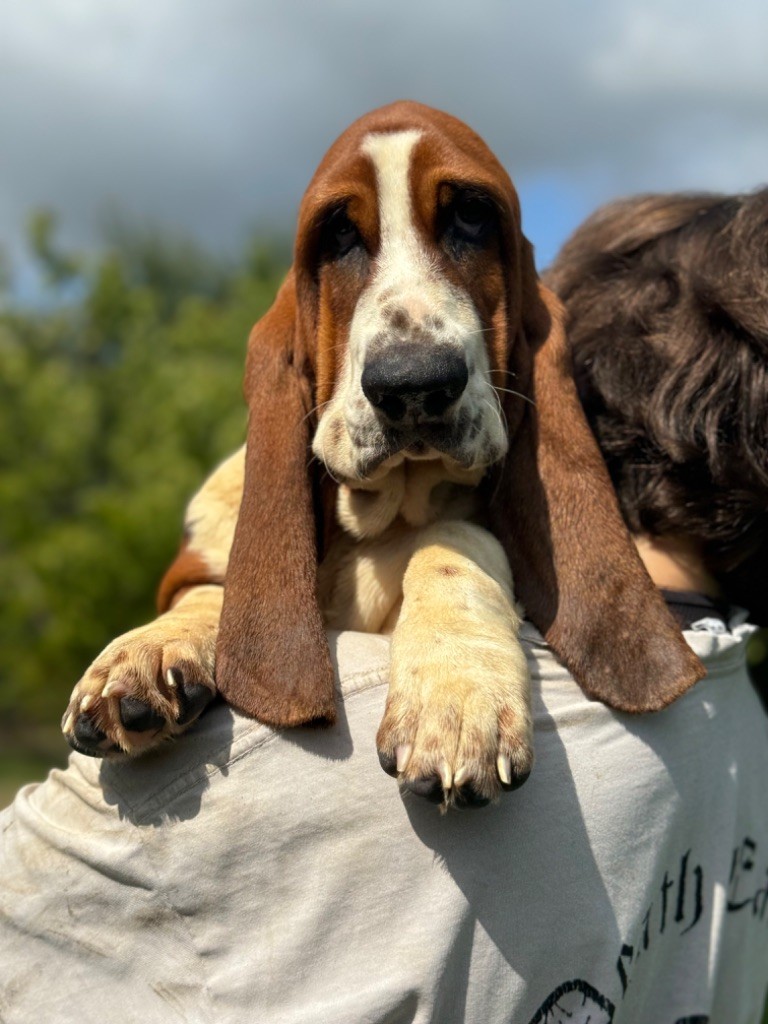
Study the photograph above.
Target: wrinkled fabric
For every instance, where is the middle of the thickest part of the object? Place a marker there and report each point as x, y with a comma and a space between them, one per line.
240, 875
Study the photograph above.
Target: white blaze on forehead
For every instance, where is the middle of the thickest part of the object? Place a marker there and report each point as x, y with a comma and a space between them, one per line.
391, 158
408, 277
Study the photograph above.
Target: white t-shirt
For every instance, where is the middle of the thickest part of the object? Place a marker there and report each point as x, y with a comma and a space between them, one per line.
239, 875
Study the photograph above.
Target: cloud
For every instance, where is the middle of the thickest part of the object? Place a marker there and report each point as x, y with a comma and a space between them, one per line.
212, 117
710, 50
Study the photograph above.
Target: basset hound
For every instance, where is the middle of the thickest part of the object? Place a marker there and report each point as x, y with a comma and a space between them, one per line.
414, 444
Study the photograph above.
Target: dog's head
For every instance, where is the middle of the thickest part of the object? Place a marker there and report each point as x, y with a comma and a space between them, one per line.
413, 325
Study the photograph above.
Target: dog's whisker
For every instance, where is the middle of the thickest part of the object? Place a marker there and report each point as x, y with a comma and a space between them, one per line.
497, 411
323, 466
490, 373
517, 394
320, 405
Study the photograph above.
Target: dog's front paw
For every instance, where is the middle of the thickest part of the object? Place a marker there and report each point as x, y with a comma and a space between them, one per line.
459, 740
144, 688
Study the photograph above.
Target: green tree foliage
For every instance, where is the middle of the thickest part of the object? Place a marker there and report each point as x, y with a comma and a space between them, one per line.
116, 399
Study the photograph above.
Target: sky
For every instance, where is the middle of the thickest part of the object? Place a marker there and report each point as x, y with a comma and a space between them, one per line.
208, 117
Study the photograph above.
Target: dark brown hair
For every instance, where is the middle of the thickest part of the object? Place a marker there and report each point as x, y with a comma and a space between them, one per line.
667, 301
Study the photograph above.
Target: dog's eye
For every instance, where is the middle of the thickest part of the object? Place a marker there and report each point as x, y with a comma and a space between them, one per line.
340, 235
473, 217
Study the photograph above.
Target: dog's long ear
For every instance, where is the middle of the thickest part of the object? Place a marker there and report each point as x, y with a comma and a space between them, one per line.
574, 564
272, 659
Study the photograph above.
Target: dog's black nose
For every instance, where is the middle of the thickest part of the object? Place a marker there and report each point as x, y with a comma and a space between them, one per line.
417, 379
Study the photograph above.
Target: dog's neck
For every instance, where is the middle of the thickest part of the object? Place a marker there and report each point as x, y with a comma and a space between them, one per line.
675, 563
416, 491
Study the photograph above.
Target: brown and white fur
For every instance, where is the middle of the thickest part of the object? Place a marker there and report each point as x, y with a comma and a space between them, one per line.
413, 359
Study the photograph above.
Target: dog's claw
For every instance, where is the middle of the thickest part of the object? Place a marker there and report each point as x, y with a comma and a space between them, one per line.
403, 756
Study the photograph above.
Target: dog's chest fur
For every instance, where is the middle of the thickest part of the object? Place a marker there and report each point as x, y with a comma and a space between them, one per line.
383, 520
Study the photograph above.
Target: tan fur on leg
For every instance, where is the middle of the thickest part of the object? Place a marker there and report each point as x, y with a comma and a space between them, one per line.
459, 697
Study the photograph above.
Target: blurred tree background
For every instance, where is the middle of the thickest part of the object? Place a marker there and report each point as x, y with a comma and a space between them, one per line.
118, 393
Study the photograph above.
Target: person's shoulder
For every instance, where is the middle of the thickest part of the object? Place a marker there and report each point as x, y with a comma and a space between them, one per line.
170, 781
722, 647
